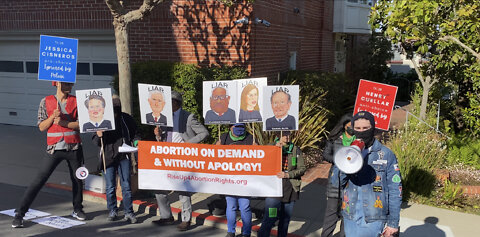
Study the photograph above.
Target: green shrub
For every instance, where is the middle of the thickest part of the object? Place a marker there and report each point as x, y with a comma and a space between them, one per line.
419, 151
451, 194
464, 150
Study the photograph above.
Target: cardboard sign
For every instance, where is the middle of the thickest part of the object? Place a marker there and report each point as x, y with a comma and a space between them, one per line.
155, 104
57, 59
378, 99
251, 99
95, 110
58, 222
31, 214
219, 102
281, 108
220, 169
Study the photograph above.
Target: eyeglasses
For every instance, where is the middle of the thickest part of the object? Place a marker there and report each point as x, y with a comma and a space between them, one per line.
219, 97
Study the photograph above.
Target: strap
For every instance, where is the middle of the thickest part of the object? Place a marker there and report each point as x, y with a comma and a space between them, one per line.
59, 134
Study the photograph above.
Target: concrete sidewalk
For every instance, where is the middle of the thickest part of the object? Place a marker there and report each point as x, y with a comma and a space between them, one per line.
23, 149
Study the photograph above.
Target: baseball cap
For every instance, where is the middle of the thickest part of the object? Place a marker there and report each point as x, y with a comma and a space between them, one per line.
364, 115
177, 96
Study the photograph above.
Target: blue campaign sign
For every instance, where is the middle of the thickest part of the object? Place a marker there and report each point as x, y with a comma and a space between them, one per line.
58, 59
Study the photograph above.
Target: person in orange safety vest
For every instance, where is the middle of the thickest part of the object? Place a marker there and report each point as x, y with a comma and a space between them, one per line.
57, 114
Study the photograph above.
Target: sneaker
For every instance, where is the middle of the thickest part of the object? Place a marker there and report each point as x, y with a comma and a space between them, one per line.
80, 215
112, 215
17, 221
164, 221
229, 234
183, 226
130, 217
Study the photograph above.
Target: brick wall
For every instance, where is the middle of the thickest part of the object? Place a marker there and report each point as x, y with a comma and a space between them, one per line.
199, 32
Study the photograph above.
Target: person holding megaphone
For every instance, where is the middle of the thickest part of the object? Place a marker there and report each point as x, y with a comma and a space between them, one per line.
371, 197
340, 136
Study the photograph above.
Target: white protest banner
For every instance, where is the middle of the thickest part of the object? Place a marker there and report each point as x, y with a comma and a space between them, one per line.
220, 169
95, 110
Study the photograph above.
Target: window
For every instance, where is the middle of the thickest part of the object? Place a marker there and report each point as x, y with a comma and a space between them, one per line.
11, 66
83, 68
293, 60
32, 67
108, 69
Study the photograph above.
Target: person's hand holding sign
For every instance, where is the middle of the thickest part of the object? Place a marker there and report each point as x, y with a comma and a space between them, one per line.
282, 175
99, 133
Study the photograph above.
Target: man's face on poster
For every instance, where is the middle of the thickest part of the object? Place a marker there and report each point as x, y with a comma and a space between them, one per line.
95, 110
280, 104
156, 102
219, 100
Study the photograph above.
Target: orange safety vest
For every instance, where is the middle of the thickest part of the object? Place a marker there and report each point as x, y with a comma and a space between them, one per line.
56, 132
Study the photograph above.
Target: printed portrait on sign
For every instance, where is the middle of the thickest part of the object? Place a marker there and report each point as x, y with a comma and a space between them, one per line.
250, 91
95, 110
218, 98
155, 104
282, 111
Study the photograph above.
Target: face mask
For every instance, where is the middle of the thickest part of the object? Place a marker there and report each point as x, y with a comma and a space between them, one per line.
366, 136
350, 131
238, 131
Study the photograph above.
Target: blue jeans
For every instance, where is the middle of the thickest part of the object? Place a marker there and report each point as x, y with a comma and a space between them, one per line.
123, 169
276, 209
243, 204
358, 227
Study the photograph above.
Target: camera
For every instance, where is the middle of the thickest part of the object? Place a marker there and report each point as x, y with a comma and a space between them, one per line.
265, 22
241, 21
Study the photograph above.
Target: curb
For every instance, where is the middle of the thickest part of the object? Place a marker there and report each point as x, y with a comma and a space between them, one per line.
140, 206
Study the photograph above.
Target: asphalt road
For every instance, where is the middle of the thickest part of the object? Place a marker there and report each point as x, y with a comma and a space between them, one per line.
57, 202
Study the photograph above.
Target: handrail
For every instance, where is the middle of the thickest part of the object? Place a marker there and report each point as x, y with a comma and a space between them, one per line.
406, 121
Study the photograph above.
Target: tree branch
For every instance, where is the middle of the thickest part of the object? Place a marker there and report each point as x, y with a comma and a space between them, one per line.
145, 9
115, 7
457, 41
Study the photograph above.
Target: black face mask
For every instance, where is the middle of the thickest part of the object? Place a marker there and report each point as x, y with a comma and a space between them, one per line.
366, 136
350, 131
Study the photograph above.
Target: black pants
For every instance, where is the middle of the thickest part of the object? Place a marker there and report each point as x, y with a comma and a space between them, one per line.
50, 162
332, 215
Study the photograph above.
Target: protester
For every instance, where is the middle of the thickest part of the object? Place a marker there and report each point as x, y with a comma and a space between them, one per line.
293, 167
341, 135
57, 114
116, 162
186, 129
371, 197
237, 136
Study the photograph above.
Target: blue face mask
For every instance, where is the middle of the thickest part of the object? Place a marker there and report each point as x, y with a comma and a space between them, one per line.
238, 131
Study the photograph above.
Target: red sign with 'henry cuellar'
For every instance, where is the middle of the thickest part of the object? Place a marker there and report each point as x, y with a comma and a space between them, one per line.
378, 99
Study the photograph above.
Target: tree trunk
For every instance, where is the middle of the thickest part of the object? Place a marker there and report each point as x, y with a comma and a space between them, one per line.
123, 57
423, 105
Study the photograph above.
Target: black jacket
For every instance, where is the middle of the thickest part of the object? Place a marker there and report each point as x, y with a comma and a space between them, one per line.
328, 154
125, 131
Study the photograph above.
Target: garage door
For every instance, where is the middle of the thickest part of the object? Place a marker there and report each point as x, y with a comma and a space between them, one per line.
20, 90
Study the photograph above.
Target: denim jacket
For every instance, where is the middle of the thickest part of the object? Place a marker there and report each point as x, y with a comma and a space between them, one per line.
381, 183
